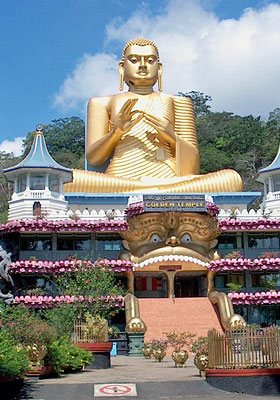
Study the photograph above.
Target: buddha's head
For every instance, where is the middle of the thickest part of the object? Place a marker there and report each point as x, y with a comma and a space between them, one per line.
140, 64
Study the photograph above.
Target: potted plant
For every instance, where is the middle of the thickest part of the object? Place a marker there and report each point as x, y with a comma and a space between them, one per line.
200, 349
159, 347
180, 342
92, 335
147, 350
234, 287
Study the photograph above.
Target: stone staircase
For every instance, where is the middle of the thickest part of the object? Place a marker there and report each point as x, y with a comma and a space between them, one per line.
193, 314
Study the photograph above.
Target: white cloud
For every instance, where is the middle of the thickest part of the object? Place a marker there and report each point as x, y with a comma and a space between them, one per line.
13, 146
237, 62
93, 75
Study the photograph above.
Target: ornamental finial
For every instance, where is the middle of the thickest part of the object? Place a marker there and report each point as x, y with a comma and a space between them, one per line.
39, 129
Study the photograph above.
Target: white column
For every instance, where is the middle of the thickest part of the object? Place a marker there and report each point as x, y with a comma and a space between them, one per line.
27, 182
47, 183
270, 184
60, 188
60, 185
265, 188
16, 185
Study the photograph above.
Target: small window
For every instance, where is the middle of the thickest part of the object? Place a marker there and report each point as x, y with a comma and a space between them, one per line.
21, 183
65, 242
109, 243
82, 243
37, 182
74, 242
221, 280
35, 243
264, 240
228, 242
265, 279
54, 183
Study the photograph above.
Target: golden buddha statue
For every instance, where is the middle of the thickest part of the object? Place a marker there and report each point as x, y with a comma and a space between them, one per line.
147, 139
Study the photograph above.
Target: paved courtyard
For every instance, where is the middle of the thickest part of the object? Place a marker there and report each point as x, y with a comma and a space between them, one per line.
159, 381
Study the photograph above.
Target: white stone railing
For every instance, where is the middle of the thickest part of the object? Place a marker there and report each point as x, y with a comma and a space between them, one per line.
119, 214
273, 196
245, 214
85, 214
36, 194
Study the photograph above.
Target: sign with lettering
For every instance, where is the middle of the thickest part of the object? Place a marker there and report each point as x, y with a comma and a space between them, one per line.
174, 202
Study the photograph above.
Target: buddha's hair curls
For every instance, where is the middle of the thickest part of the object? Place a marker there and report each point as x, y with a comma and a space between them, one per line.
139, 42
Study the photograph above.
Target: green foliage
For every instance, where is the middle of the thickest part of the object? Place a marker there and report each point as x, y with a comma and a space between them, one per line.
65, 138
25, 327
271, 283
113, 332
66, 357
4, 216
180, 340
61, 318
200, 101
13, 359
231, 141
96, 282
234, 287
6, 160
200, 346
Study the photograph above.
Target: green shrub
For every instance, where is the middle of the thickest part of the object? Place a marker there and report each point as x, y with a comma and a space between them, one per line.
64, 356
27, 328
13, 358
61, 318
97, 282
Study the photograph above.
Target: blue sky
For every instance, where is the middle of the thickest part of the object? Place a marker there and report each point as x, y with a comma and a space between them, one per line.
54, 53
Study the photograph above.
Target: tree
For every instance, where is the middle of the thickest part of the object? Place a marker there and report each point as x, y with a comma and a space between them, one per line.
6, 160
231, 141
199, 101
96, 282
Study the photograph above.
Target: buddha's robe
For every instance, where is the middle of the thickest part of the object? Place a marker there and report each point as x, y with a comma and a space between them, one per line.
141, 162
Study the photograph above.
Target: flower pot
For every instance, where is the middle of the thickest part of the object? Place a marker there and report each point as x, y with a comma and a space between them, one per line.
36, 353
179, 357
159, 354
147, 351
201, 361
100, 352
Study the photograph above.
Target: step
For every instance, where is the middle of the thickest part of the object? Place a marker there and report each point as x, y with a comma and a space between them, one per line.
193, 314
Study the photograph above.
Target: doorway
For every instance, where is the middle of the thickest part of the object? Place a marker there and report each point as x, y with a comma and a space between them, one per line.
189, 285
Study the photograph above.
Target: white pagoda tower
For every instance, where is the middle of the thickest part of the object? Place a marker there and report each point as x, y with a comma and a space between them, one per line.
38, 184
270, 177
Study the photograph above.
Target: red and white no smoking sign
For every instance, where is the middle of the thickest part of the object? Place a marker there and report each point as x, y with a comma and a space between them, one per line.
115, 390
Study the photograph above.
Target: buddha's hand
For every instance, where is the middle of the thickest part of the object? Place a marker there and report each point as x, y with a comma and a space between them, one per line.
162, 126
124, 120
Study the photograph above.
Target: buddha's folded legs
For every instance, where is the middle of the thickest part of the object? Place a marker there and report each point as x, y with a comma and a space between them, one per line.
93, 182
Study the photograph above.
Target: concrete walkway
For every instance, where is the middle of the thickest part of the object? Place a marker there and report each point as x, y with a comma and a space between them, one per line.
157, 381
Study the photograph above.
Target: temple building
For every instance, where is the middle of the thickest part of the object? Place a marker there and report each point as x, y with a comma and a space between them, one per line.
190, 246
49, 230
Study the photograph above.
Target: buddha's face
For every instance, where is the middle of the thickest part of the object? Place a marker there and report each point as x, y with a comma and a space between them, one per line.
140, 66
